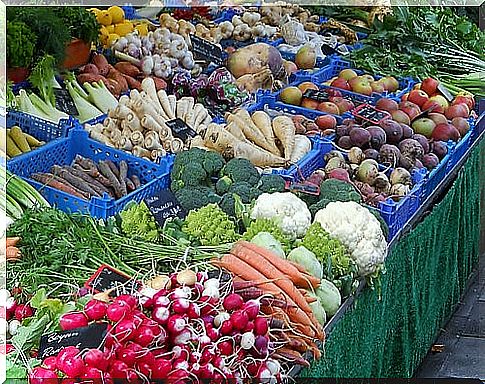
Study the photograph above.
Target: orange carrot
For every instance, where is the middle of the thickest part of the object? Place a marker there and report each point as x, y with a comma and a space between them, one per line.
12, 253
12, 241
284, 266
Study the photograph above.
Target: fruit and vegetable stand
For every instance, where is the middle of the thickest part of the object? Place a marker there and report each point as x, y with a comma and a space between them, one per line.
236, 192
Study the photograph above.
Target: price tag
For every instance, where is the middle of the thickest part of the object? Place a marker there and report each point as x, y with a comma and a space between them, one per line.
180, 129
164, 206
318, 95
370, 113
107, 277
64, 102
90, 337
445, 92
206, 50
308, 188
327, 50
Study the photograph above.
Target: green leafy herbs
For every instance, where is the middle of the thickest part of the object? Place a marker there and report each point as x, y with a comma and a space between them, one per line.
82, 23
42, 77
20, 46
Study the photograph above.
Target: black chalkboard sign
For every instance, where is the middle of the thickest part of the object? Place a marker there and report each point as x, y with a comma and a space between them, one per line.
370, 113
445, 92
64, 102
180, 129
206, 50
164, 206
90, 337
318, 95
106, 278
327, 50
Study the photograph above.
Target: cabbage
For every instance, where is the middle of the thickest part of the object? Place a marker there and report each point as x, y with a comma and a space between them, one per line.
267, 241
307, 260
318, 309
329, 297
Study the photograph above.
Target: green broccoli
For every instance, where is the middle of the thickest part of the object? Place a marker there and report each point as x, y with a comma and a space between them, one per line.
194, 155
243, 190
335, 190
271, 183
240, 169
196, 197
193, 175
223, 185
227, 204
213, 163
176, 185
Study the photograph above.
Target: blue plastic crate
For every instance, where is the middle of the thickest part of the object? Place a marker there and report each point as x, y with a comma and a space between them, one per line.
337, 64
463, 145
226, 15
479, 127
397, 213
41, 129
321, 61
154, 177
436, 175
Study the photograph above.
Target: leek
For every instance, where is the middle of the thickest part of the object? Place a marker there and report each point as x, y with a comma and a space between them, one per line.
86, 110
100, 96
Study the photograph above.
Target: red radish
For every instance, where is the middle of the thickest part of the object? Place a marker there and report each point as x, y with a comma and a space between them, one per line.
95, 309
233, 302
147, 302
213, 334
261, 326
144, 368
264, 374
95, 375
9, 348
11, 305
249, 326
131, 377
184, 337
181, 293
239, 320
193, 311
144, 336
206, 371
207, 356
261, 344
161, 369
124, 330
176, 324
118, 369
219, 362
73, 366
180, 306
178, 376
220, 318
225, 347
161, 301
161, 315
204, 340
50, 363
247, 340
180, 351
73, 320
208, 305
117, 311
181, 364
23, 311
64, 354
94, 358
253, 369
251, 308
226, 327
198, 288
126, 299
40, 375
127, 355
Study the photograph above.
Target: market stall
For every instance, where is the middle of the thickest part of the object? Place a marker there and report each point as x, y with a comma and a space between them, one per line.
236, 192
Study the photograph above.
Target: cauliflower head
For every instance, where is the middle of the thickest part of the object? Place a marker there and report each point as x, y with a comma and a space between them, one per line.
358, 230
288, 211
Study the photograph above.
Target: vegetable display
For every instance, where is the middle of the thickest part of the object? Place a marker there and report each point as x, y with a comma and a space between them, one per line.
19, 142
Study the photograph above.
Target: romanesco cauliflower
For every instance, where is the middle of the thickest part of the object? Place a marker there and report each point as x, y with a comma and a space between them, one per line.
137, 221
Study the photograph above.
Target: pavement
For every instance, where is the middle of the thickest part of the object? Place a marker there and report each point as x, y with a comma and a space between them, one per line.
462, 341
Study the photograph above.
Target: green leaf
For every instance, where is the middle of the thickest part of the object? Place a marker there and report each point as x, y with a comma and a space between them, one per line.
38, 298
464, 27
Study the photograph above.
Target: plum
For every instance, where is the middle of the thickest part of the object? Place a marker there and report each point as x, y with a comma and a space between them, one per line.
378, 136
393, 130
360, 137
371, 153
423, 140
345, 142
439, 148
430, 161
342, 130
407, 131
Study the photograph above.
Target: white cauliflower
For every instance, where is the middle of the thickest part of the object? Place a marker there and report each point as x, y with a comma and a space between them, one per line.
358, 230
290, 212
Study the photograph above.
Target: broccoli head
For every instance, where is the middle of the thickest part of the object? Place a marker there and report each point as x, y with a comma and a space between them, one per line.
213, 163
271, 183
193, 174
243, 190
335, 190
223, 185
227, 204
196, 197
239, 170
194, 155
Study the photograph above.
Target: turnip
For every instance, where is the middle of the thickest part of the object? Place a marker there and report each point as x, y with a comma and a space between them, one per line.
423, 140
186, 277
73, 320
356, 155
440, 149
339, 174
389, 154
430, 161
334, 163
382, 183
95, 309
368, 171
399, 190
411, 149
400, 176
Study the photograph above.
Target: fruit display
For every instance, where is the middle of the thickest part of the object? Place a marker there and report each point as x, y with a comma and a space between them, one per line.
205, 193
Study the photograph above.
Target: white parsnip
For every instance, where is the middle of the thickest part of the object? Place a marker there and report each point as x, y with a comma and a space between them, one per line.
303, 145
172, 100
218, 138
284, 129
263, 122
137, 138
258, 156
235, 131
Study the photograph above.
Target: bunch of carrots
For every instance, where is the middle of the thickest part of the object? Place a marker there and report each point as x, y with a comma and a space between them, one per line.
12, 253
260, 273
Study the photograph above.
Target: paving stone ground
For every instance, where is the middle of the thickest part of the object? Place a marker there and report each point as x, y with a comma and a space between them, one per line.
463, 337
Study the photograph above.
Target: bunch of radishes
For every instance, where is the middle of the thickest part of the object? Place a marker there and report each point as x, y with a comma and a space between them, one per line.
182, 327
12, 313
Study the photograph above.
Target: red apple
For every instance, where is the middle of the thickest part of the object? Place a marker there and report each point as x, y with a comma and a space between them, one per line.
436, 107
405, 97
309, 103
387, 105
418, 97
424, 126
401, 117
333, 92
457, 110
391, 84
417, 86
328, 107
377, 87
356, 81
461, 124
347, 74
411, 109
307, 85
464, 99
438, 118
440, 100
361, 86
341, 83
326, 122
343, 105
429, 85
445, 132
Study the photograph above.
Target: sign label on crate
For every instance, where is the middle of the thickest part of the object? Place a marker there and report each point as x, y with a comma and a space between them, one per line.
180, 129
89, 337
445, 92
305, 187
370, 113
64, 102
327, 50
206, 50
164, 206
107, 278
318, 95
